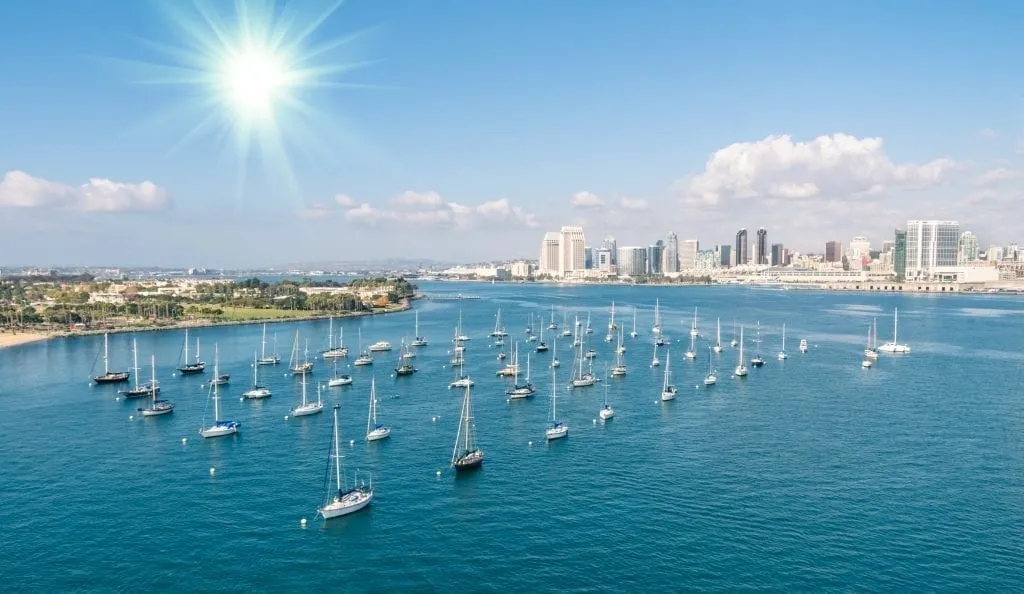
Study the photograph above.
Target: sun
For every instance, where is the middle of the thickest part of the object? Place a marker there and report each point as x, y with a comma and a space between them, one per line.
252, 80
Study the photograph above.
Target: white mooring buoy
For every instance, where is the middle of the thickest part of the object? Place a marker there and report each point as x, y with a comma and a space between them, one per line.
184, 440
302, 522
213, 471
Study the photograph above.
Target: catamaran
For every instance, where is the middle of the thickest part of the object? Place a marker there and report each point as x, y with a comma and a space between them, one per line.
111, 377
557, 429
196, 366
466, 455
668, 391
266, 359
693, 329
156, 407
741, 368
257, 392
341, 501
711, 378
524, 390
374, 430
782, 354
757, 360
308, 408
418, 341
718, 337
871, 350
606, 412
333, 352
299, 367
895, 346
140, 390
220, 427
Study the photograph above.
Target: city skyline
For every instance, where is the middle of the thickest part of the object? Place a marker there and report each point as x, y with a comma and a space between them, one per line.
421, 134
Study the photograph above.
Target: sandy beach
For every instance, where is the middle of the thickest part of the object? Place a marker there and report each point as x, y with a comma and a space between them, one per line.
9, 340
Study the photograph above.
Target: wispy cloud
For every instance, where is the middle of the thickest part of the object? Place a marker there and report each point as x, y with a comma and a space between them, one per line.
21, 190
988, 133
585, 200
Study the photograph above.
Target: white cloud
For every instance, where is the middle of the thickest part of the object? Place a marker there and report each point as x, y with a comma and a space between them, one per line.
344, 200
316, 212
634, 204
418, 199
999, 174
834, 166
19, 189
586, 200
987, 133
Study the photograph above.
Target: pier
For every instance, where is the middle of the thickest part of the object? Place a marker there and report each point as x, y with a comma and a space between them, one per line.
449, 297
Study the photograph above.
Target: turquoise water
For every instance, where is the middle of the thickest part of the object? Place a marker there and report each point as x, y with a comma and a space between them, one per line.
810, 474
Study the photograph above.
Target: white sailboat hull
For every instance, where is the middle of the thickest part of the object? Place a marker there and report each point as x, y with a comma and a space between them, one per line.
690, 355
893, 348
606, 413
347, 504
710, 380
256, 394
219, 431
741, 371
378, 434
363, 361
866, 363
335, 353
667, 395
782, 356
335, 382
553, 433
461, 383
269, 361
307, 409
157, 411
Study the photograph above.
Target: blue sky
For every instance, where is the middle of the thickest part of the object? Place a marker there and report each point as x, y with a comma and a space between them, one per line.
486, 123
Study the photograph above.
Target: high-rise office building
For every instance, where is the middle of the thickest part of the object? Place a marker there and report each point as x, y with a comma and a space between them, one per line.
899, 255
670, 261
572, 256
608, 243
887, 246
549, 253
778, 255
655, 253
833, 251
930, 245
741, 247
860, 249
688, 254
724, 255
632, 261
968, 249
995, 253
761, 247
603, 259
706, 261
588, 257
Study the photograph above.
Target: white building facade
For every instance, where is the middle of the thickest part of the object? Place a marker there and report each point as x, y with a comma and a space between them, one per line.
931, 246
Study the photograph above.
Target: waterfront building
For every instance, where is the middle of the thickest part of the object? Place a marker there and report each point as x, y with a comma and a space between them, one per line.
670, 258
654, 257
604, 259
632, 261
931, 245
899, 255
778, 255
968, 247
571, 247
724, 255
742, 254
688, 254
550, 252
833, 251
588, 257
608, 243
761, 247
705, 261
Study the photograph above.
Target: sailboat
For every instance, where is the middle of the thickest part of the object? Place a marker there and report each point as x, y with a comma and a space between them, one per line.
341, 501
557, 429
461, 379
734, 343
693, 329
374, 430
266, 359
499, 330
611, 325
220, 427
110, 377
337, 380
418, 341
757, 360
654, 358
656, 328
606, 412
405, 366
691, 353
532, 336
782, 354
461, 336
620, 364
741, 368
566, 331
466, 455
803, 345
542, 346
871, 350
894, 346
364, 358
308, 408
718, 337
257, 391
633, 333
668, 391
582, 378
524, 390
196, 366
554, 354
156, 407
588, 329
299, 367
333, 352
552, 325
867, 349
140, 390
710, 379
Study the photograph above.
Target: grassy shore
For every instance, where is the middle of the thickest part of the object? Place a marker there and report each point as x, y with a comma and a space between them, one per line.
233, 316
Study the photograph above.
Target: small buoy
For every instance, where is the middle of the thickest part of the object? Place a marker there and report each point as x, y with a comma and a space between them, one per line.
213, 471
438, 474
286, 417
433, 419
131, 417
302, 522
508, 400
117, 399
174, 375
531, 443
241, 399
351, 442
184, 440
595, 421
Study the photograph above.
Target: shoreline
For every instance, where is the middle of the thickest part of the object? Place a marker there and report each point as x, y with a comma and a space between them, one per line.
29, 337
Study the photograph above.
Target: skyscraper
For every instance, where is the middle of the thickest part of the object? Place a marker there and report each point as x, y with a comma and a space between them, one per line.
608, 243
670, 262
741, 247
688, 254
654, 257
632, 261
571, 257
899, 255
930, 245
725, 255
761, 247
603, 259
833, 251
778, 255
588, 257
549, 253
968, 251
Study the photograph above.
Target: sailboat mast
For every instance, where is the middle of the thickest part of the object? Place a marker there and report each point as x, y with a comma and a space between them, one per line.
371, 415
186, 346
152, 381
106, 364
135, 360
895, 325
337, 452
216, 374
263, 342
330, 333
783, 337
255, 368
303, 389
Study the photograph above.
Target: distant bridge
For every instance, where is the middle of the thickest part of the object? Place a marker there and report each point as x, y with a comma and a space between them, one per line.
448, 296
